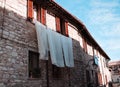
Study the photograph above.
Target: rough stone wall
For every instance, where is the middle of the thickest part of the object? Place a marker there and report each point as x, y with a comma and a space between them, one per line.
17, 37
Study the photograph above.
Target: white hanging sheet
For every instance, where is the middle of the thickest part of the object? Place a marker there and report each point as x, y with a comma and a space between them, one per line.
42, 40
67, 51
55, 47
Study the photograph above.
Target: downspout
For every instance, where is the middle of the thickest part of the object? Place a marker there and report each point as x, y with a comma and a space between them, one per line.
47, 76
3, 20
69, 78
47, 71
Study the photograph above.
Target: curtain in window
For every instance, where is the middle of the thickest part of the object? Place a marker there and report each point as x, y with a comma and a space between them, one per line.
42, 40
55, 48
67, 51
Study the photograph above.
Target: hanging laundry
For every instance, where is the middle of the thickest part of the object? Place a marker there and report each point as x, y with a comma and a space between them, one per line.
55, 47
67, 51
42, 40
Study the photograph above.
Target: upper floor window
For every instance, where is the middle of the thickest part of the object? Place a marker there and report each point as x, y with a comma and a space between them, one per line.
50, 20
61, 26
84, 45
35, 11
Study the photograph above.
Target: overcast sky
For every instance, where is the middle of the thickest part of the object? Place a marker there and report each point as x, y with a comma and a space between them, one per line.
102, 19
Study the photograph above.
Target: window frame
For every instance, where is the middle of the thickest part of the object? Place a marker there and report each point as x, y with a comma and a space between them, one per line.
33, 73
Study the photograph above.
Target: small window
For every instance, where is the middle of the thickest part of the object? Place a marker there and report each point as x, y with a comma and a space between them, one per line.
57, 72
35, 11
88, 77
62, 26
34, 70
84, 45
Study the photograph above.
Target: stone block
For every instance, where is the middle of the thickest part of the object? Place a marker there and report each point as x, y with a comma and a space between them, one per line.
2, 85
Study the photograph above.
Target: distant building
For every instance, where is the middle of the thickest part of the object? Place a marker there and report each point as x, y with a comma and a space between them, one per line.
115, 71
26, 60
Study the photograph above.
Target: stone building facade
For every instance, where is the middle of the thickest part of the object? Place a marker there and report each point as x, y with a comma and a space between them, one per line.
18, 45
115, 72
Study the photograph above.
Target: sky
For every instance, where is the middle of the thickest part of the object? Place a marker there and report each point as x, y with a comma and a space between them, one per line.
102, 19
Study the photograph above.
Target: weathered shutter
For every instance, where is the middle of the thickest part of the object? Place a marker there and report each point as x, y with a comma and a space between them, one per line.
84, 45
100, 79
30, 9
38, 13
43, 16
66, 28
106, 79
58, 25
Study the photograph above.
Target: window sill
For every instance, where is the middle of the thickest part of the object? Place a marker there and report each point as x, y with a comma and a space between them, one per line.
33, 78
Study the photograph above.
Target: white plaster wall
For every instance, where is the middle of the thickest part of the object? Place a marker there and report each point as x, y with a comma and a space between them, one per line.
19, 7
2, 3
89, 50
95, 52
80, 39
35, 14
73, 33
104, 70
50, 21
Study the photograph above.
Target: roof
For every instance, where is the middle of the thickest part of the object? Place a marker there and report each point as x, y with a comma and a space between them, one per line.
114, 63
52, 6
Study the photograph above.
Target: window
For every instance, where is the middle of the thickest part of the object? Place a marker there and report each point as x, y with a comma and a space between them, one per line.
64, 27
35, 11
50, 21
34, 70
84, 45
106, 79
88, 77
100, 78
61, 26
96, 79
57, 72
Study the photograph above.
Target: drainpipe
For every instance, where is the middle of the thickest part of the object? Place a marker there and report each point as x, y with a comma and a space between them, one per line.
4, 3
47, 74
69, 78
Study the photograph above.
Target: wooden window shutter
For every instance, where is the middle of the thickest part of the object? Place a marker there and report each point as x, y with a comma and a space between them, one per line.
66, 28
97, 52
84, 45
58, 25
106, 79
38, 13
100, 78
30, 9
43, 16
